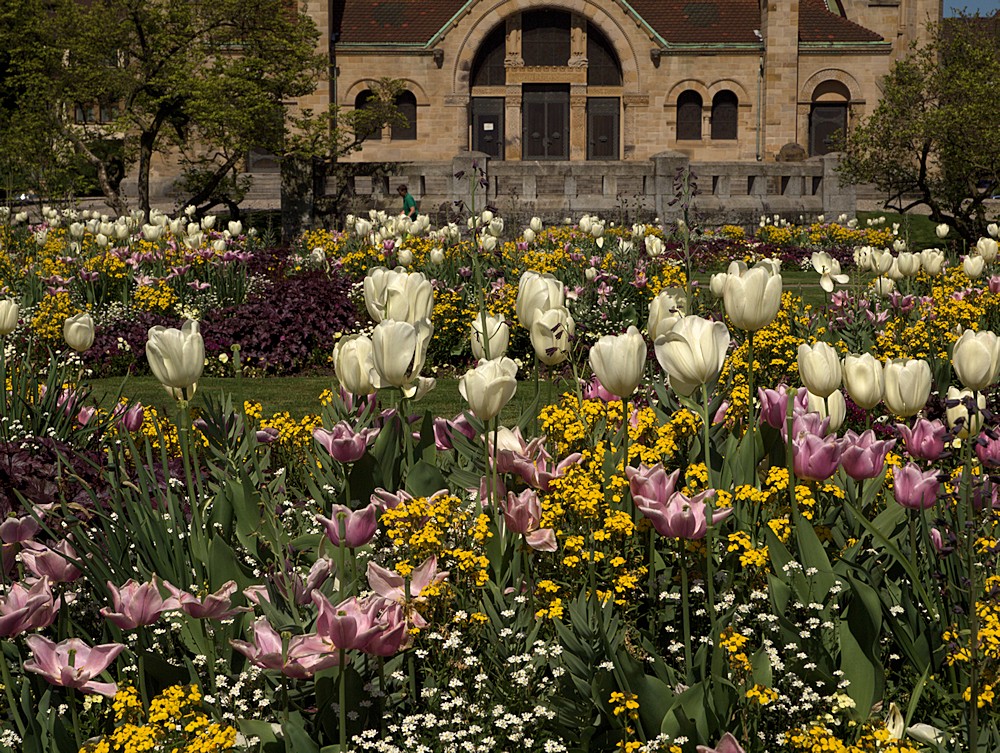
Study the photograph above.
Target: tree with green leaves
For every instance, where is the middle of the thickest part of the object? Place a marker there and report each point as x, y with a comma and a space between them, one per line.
202, 82
934, 138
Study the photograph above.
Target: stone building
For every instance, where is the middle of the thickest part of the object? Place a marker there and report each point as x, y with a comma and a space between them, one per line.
620, 80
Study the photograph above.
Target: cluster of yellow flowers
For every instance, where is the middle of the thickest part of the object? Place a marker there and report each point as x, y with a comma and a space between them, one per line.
50, 315
159, 297
817, 738
174, 723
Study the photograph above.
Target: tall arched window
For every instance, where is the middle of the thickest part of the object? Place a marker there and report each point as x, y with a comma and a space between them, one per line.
828, 117
488, 68
360, 103
603, 68
406, 103
689, 116
725, 113
545, 37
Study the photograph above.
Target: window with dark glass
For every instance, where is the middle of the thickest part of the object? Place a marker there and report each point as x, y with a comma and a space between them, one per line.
360, 103
689, 116
406, 103
725, 110
602, 62
487, 68
545, 37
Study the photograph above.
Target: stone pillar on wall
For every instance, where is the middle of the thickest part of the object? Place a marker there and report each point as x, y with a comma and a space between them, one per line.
838, 197
780, 19
512, 122
578, 122
665, 167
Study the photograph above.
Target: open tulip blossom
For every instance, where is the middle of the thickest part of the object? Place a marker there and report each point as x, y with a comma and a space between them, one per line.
489, 387
683, 517
73, 664
693, 353
177, 357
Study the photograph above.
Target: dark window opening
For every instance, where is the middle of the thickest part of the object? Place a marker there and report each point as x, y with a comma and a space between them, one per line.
406, 104
487, 68
603, 68
545, 37
360, 103
602, 127
725, 112
689, 116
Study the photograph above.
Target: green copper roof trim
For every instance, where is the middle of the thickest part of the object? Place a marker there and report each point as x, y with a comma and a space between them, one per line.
440, 32
643, 21
835, 45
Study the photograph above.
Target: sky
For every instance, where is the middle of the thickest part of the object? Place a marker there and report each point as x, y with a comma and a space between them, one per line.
985, 7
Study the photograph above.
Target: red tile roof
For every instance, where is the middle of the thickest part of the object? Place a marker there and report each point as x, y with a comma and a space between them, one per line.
676, 21
818, 24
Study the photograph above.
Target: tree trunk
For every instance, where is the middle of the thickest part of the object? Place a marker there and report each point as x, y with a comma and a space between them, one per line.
146, 141
296, 197
112, 193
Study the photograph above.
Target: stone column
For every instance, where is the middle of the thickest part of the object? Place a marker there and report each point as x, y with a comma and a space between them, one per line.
838, 198
578, 122
512, 122
781, 74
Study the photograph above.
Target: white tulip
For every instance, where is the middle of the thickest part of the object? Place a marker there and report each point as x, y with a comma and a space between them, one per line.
908, 264
668, 308
959, 411
398, 294
489, 387
932, 260
235, 228
177, 357
833, 406
881, 261
399, 350
537, 293
883, 286
829, 271
907, 385
405, 257
497, 337
9, 311
693, 353
654, 245
78, 331
101, 240
437, 255
535, 224
208, 222
899, 245
993, 229
942, 230
987, 248
151, 233
353, 363
529, 235
819, 368
864, 378
619, 361
495, 227
488, 243
752, 299
976, 359
973, 266
551, 334
717, 285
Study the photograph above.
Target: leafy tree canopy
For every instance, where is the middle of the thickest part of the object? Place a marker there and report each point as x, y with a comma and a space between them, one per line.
934, 138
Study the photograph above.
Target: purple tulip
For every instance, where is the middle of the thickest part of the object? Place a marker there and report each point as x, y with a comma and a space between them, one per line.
305, 656
23, 609
987, 449
863, 456
343, 443
393, 632
215, 606
683, 517
940, 545
18, 530
135, 605
300, 591
385, 500
774, 405
444, 430
815, 458
925, 441
347, 626
85, 414
267, 435
132, 418
523, 515
54, 563
807, 423
915, 489
357, 527
392, 586
73, 664
727, 744
651, 487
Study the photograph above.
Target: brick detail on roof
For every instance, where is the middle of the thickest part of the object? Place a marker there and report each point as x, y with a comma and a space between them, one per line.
388, 21
701, 21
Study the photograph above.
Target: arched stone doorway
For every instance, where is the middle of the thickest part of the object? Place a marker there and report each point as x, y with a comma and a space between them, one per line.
546, 84
828, 117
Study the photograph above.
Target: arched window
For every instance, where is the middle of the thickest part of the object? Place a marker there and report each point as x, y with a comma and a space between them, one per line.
360, 103
488, 68
406, 103
545, 37
689, 116
828, 117
725, 111
603, 68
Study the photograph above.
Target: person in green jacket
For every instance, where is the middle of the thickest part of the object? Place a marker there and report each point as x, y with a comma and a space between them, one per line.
409, 203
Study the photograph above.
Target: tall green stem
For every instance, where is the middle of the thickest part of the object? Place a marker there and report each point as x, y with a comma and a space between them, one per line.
709, 510
685, 613
751, 412
8, 687
343, 700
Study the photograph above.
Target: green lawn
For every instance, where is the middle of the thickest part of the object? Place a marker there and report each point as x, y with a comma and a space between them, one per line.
916, 229
300, 395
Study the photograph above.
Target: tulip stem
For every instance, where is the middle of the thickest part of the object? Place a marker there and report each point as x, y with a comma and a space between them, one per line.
343, 700
685, 613
75, 716
751, 418
9, 691
709, 512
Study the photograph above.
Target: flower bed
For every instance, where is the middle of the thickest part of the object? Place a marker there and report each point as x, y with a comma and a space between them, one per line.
653, 562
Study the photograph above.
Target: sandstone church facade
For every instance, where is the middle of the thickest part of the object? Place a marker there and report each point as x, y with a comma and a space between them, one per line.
621, 80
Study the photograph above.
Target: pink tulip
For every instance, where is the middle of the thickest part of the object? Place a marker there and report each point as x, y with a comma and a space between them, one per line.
306, 654
594, 390
347, 626
54, 563
807, 423
682, 517
215, 606
940, 545
815, 458
863, 456
393, 632
132, 418
18, 530
343, 443
925, 441
389, 501
512, 450
987, 449
444, 431
915, 489
727, 744
267, 435
357, 527
774, 405
257, 595
392, 586
540, 472
301, 590
73, 664
85, 414
651, 487
135, 605
24, 609
523, 514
